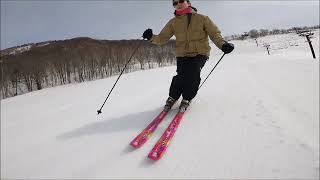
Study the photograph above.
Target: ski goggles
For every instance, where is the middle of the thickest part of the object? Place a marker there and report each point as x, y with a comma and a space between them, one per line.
176, 2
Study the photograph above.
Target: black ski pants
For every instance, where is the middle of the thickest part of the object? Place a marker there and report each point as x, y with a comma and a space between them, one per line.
187, 80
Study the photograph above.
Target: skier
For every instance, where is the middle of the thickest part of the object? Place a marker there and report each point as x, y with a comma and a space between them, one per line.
192, 49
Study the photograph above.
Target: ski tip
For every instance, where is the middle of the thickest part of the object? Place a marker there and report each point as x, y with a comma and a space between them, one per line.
154, 156
134, 144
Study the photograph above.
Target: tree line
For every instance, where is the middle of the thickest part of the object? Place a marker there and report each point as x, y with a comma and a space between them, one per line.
76, 60
54, 63
254, 33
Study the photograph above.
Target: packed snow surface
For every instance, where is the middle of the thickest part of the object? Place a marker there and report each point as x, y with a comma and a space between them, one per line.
257, 116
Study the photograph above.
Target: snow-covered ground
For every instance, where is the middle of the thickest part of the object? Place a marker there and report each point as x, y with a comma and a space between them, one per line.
20, 49
256, 117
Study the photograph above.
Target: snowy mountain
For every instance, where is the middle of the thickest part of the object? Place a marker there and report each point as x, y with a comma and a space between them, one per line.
23, 48
257, 117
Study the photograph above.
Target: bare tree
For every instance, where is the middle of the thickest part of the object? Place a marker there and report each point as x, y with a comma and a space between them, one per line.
264, 32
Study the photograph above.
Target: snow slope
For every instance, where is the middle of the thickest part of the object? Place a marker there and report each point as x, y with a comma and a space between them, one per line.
257, 116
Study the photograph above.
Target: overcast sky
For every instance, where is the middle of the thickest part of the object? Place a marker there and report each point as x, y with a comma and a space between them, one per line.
35, 21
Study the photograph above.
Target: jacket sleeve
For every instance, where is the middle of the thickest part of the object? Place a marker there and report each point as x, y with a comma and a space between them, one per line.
164, 36
213, 32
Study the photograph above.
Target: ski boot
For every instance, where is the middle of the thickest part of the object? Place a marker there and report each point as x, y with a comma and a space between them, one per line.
184, 105
169, 103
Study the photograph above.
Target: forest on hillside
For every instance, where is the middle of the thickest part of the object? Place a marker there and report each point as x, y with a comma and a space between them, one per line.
77, 60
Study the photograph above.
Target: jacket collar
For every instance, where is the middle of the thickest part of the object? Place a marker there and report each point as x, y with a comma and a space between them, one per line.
193, 11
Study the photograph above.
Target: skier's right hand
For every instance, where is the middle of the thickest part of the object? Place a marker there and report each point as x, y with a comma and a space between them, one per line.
147, 34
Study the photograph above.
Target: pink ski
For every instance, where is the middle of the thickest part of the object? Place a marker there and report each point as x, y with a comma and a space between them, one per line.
147, 132
160, 147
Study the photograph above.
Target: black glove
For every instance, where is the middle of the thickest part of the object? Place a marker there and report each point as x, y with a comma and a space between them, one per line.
227, 47
147, 34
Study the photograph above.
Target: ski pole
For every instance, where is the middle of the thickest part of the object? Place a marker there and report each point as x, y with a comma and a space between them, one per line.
212, 70
125, 66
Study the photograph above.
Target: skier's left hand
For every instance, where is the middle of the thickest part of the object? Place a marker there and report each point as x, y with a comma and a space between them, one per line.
227, 47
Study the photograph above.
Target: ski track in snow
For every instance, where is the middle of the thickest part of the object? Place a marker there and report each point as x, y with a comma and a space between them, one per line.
257, 117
